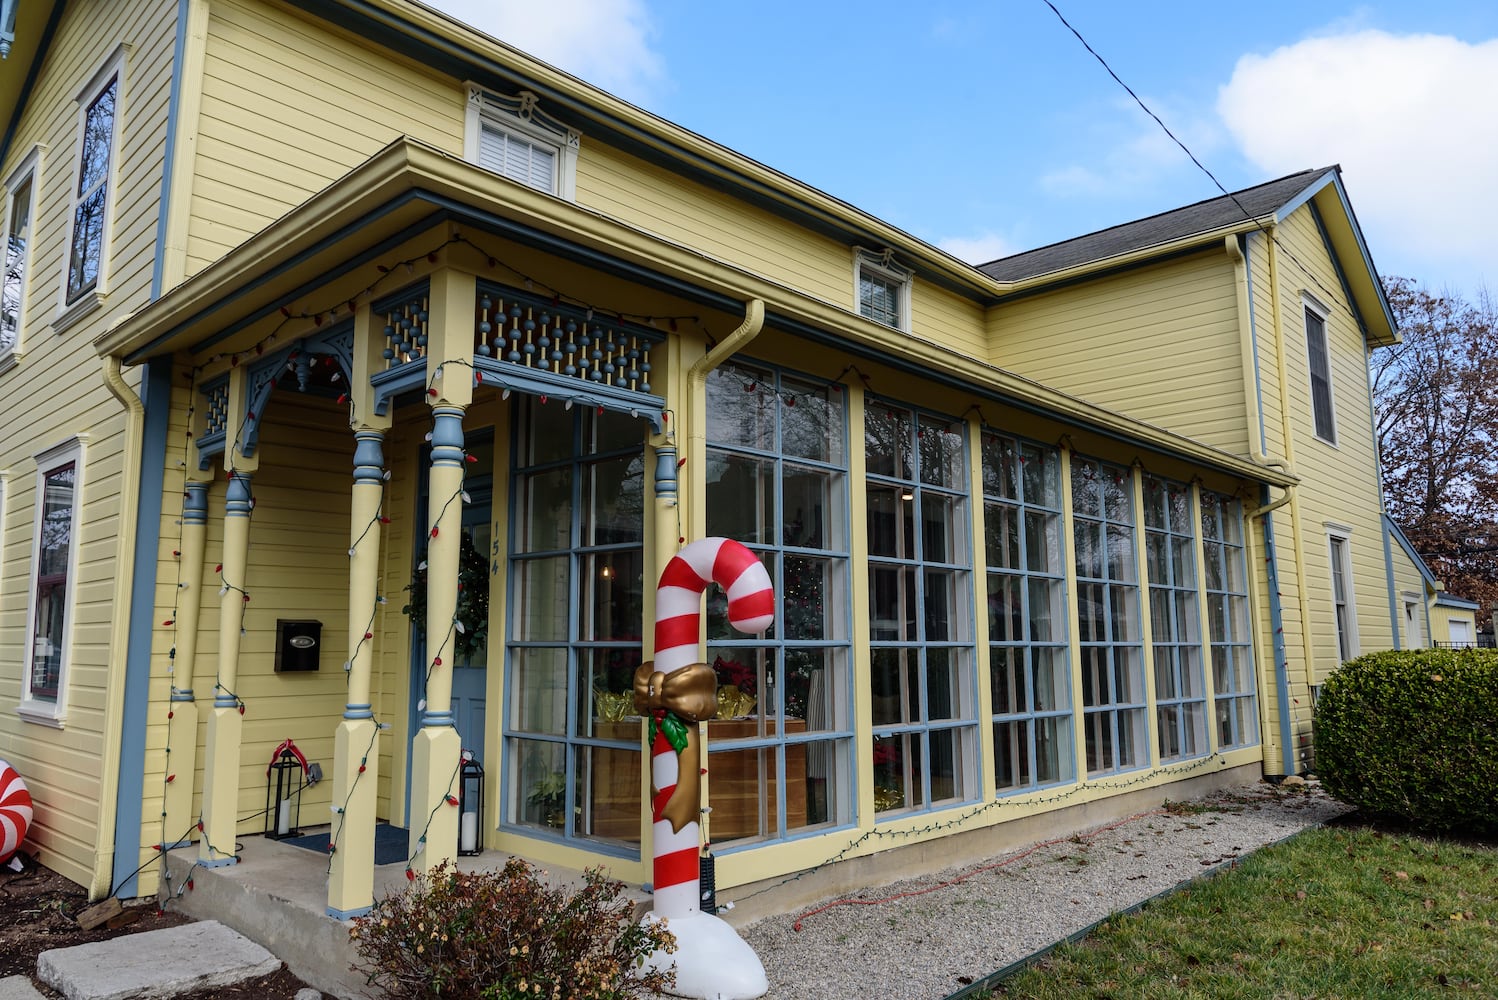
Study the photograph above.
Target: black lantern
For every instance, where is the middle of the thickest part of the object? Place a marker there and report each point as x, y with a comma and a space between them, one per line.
283, 791
471, 807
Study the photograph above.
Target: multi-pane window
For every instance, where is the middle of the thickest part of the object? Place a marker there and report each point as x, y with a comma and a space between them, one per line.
883, 290
780, 751
1029, 670
91, 196
920, 609
19, 207
1233, 682
1347, 639
1175, 620
1319, 359
577, 602
1108, 630
54, 546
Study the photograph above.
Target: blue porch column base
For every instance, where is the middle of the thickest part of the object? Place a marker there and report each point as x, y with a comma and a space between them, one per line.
349, 914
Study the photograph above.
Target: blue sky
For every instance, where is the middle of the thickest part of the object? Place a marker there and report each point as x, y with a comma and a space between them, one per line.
986, 128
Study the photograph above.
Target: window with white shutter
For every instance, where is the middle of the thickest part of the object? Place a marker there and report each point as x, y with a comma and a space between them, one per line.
512, 137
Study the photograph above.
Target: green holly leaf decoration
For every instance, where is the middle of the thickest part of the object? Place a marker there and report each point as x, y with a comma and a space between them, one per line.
676, 732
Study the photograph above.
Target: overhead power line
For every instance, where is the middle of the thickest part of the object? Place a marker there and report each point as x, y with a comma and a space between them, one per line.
1187, 150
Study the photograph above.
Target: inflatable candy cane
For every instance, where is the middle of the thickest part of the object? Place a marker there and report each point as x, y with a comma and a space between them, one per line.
15, 811
676, 692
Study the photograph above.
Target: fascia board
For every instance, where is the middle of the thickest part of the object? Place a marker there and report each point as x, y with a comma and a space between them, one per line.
211, 300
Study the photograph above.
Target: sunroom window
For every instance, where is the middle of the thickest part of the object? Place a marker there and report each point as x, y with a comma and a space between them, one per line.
1233, 681
920, 620
780, 751
572, 740
1175, 620
1029, 669
1113, 695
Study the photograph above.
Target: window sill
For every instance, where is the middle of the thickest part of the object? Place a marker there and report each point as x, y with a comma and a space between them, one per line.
9, 360
41, 713
71, 315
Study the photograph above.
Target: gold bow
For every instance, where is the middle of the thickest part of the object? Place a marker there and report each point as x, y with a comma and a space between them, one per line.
691, 694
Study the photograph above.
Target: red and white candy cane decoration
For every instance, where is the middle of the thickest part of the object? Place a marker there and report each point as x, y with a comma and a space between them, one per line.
15, 811
678, 620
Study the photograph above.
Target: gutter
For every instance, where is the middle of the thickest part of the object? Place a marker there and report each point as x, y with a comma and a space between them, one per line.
1248, 341
696, 401
119, 632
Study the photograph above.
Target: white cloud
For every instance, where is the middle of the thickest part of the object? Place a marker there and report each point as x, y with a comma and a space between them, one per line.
1125, 164
608, 43
1410, 118
980, 248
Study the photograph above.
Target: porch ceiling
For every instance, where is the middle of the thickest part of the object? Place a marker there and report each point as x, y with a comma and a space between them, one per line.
409, 188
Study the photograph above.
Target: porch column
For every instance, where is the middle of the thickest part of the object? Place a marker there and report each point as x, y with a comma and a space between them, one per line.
436, 747
226, 723
182, 717
355, 759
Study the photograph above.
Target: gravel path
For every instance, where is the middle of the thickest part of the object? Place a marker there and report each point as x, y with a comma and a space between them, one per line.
956, 926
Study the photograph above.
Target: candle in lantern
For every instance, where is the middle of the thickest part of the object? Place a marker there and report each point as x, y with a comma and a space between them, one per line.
468, 838
283, 818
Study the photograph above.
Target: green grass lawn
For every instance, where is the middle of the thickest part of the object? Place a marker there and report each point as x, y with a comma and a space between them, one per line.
1332, 913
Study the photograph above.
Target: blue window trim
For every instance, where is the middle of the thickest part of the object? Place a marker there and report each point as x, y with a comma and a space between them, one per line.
1059, 643
1228, 506
918, 419
1178, 645
1112, 707
771, 378
570, 740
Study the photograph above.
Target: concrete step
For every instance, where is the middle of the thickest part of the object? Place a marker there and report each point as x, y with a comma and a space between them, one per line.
164, 963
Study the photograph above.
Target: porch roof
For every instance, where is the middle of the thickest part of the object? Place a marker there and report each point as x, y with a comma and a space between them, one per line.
409, 188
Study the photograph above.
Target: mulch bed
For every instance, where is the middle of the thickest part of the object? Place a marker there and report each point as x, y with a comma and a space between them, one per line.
37, 911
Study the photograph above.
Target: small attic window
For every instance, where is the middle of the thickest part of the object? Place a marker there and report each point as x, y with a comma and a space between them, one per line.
883, 288
514, 138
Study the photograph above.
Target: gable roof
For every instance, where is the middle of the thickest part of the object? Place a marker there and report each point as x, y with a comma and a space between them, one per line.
1261, 202
1254, 208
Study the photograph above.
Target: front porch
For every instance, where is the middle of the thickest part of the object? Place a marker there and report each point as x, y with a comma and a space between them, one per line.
277, 897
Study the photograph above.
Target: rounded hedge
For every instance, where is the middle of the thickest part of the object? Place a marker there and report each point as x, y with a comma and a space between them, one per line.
1413, 735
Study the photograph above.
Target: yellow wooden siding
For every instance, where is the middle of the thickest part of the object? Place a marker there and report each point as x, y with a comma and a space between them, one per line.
1339, 482
1441, 619
1409, 584
56, 392
1159, 344
289, 105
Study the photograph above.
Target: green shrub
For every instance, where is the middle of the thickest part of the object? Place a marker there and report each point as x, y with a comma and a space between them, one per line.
1413, 735
505, 936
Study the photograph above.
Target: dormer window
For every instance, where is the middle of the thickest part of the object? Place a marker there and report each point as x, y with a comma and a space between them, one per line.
514, 138
883, 289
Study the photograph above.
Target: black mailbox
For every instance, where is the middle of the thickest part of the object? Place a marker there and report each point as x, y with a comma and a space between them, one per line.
298, 645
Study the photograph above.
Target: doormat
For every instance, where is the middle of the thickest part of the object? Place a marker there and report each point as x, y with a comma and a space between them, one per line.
390, 843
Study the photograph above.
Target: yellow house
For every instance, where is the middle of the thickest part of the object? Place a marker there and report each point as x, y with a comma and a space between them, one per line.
1453, 621
317, 312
